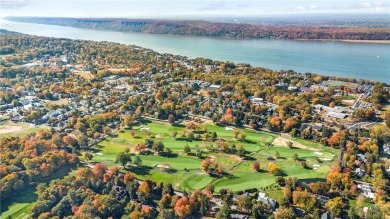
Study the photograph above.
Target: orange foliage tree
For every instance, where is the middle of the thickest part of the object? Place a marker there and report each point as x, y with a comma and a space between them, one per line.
184, 207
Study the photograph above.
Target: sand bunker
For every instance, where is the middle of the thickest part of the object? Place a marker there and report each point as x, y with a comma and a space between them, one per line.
99, 153
319, 153
280, 141
316, 165
9, 129
323, 158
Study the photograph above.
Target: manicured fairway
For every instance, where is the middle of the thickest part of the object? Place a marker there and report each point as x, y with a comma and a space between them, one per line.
185, 172
19, 205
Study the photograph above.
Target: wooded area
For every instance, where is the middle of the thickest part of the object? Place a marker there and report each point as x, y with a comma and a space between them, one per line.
205, 28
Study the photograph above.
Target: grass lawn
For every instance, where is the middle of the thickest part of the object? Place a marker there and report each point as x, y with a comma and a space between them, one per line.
342, 83
349, 97
352, 203
245, 180
185, 171
243, 177
19, 206
108, 148
11, 129
180, 180
275, 194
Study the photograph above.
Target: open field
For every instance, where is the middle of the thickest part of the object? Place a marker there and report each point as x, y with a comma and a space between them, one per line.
84, 74
11, 129
342, 83
185, 171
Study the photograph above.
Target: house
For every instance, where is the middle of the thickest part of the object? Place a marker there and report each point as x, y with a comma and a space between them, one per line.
359, 172
362, 157
266, 200
299, 212
256, 100
119, 192
214, 87
326, 215
322, 199
292, 88
337, 115
366, 191
386, 148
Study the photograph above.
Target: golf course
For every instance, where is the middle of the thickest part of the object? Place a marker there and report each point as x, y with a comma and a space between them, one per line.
185, 172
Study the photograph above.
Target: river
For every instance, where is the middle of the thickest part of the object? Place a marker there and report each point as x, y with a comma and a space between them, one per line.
359, 60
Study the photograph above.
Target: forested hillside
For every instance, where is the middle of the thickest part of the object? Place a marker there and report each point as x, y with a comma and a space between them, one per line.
215, 29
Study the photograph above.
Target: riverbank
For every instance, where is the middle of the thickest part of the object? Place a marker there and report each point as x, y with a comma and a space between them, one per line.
349, 41
350, 60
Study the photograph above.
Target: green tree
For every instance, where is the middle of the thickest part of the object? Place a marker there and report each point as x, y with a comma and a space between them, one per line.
187, 149
83, 141
352, 213
244, 203
215, 136
123, 158
158, 146
165, 201
137, 161
166, 214
224, 212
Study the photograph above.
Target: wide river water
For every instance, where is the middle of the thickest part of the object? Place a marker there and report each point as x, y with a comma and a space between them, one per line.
358, 60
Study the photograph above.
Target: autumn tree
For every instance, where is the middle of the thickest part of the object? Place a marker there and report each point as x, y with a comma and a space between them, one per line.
243, 136
171, 119
272, 167
335, 206
69, 140
127, 120
205, 165
144, 191
140, 147
256, 166
88, 156
285, 213
235, 133
275, 124
183, 207
336, 138
98, 170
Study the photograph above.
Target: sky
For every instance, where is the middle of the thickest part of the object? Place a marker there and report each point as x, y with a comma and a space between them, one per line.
183, 8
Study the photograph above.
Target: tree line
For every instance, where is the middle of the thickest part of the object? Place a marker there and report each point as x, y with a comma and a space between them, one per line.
217, 29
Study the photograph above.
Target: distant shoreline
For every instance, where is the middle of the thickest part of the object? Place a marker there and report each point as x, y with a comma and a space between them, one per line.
349, 41
218, 29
